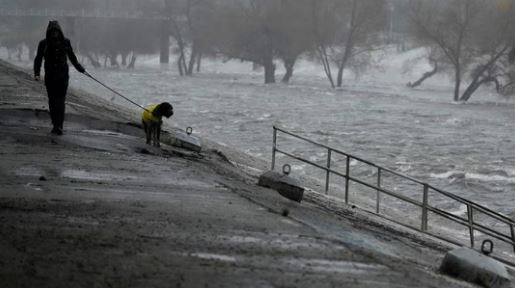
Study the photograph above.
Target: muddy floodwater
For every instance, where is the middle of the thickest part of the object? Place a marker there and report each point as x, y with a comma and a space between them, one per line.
467, 149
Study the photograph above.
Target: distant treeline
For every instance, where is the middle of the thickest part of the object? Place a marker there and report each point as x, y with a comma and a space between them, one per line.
469, 39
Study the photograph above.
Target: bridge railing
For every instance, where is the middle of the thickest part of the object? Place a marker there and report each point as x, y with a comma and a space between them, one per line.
424, 204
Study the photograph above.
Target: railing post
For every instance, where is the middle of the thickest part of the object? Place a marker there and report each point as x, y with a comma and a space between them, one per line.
328, 172
347, 175
512, 228
470, 214
378, 186
424, 208
274, 148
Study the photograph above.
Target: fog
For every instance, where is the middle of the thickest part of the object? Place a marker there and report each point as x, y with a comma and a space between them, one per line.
114, 33
340, 35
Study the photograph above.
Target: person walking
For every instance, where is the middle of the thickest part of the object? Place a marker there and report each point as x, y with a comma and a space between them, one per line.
56, 50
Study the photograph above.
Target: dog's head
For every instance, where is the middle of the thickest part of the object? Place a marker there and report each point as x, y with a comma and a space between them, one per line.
165, 109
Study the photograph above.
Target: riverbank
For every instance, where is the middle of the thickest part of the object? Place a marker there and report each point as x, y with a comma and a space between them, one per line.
97, 207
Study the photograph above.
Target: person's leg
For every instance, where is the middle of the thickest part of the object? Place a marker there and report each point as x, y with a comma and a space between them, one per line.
60, 105
52, 104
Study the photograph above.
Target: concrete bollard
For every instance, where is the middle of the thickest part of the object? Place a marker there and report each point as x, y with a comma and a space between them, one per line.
184, 139
282, 183
474, 267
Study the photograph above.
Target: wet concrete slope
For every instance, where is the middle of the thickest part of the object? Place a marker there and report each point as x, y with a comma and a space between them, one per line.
98, 208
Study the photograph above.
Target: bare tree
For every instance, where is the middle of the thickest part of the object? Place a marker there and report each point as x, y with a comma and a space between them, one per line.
191, 22
111, 38
435, 58
471, 34
360, 32
324, 33
344, 30
447, 25
492, 39
292, 40
249, 33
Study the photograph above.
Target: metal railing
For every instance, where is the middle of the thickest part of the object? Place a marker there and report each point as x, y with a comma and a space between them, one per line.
424, 205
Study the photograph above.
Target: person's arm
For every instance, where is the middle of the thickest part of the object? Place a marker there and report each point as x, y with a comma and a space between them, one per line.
73, 58
39, 59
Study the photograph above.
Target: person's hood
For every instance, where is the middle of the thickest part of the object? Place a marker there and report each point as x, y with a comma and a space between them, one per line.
54, 26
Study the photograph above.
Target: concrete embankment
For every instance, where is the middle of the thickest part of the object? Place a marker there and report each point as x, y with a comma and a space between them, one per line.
97, 207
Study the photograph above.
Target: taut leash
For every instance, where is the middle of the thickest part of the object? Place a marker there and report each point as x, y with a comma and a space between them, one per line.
115, 92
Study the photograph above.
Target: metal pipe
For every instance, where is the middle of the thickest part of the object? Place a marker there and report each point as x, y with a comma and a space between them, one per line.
445, 193
448, 216
274, 148
479, 227
512, 228
306, 161
405, 199
378, 186
347, 175
424, 208
452, 240
444, 214
471, 225
492, 213
469, 222
353, 156
476, 206
328, 172
325, 146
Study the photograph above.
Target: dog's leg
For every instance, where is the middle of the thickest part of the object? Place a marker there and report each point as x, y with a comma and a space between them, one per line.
147, 131
154, 135
158, 135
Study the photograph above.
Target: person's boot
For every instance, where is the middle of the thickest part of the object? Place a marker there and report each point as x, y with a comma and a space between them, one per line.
57, 131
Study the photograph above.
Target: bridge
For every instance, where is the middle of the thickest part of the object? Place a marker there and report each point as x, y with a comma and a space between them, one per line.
83, 13
72, 15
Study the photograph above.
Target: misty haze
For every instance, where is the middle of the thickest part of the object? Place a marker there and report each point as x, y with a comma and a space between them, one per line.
419, 93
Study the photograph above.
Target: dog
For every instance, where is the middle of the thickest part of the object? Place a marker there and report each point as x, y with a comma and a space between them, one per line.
152, 121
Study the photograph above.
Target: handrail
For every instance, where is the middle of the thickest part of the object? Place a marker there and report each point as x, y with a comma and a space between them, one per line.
445, 193
483, 209
426, 207
350, 155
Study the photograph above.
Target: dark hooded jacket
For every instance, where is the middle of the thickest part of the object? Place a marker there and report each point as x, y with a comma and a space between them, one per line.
56, 51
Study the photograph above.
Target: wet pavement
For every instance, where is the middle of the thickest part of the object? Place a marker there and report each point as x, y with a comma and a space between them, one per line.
97, 207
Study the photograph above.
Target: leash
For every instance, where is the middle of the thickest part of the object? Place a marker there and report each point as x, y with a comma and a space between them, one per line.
115, 92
